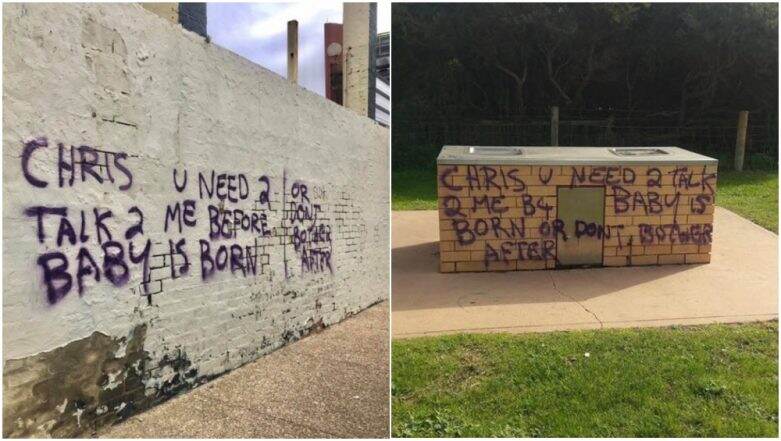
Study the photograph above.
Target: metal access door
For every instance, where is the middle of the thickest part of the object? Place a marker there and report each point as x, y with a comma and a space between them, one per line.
587, 205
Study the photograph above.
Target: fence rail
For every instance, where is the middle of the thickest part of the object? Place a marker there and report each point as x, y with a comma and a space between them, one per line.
714, 135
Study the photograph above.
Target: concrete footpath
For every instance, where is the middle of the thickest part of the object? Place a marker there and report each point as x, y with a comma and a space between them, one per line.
328, 385
740, 284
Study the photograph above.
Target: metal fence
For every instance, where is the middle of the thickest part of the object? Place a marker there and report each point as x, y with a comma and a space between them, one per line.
713, 135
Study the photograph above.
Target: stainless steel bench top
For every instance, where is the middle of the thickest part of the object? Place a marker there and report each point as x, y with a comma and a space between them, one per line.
493, 155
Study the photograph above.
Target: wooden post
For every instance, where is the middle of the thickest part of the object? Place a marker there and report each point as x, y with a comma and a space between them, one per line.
554, 126
292, 51
740, 142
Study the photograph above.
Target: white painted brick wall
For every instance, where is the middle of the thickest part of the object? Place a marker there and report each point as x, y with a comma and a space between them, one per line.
120, 79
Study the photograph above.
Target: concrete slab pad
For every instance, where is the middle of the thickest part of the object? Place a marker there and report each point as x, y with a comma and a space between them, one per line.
334, 384
740, 284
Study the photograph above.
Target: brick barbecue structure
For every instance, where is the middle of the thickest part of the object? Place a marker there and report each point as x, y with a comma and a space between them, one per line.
531, 208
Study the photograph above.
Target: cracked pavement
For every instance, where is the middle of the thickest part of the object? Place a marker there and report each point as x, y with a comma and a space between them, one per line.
333, 384
739, 285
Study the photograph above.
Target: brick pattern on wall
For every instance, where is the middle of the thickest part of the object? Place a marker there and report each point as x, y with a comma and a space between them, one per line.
677, 230
504, 217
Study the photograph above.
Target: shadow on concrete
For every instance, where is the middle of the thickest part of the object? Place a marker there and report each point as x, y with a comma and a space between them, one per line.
418, 284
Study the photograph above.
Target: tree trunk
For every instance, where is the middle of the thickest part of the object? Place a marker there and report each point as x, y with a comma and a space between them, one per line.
519, 82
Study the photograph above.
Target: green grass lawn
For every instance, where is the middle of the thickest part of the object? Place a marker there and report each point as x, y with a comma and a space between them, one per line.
414, 189
751, 194
715, 380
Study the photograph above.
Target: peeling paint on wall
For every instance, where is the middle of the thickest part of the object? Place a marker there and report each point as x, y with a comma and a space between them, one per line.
59, 392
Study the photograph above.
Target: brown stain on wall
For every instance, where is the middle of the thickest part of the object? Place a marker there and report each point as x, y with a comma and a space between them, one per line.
73, 389
97, 381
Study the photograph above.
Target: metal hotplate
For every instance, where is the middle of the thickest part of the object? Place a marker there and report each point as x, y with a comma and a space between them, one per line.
489, 155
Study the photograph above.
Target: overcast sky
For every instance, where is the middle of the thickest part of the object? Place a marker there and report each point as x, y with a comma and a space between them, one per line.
258, 31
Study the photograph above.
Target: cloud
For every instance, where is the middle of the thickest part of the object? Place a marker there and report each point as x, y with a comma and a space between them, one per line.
383, 17
274, 24
258, 32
